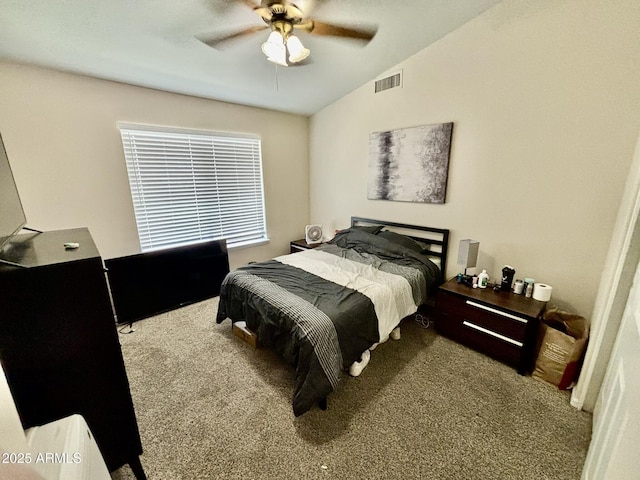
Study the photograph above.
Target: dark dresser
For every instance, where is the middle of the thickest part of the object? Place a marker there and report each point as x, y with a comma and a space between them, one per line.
58, 342
500, 324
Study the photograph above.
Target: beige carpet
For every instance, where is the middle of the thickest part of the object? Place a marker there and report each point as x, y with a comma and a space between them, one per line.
210, 406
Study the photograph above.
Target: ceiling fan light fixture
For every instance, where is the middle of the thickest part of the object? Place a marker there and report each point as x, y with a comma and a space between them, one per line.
274, 42
280, 60
274, 49
297, 51
283, 18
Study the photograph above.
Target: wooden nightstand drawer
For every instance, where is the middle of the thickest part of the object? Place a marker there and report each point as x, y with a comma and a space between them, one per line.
484, 340
485, 317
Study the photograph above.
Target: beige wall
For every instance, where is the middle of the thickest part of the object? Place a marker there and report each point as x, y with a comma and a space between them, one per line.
65, 149
545, 100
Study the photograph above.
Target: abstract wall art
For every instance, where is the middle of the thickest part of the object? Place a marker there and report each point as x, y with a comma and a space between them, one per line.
410, 164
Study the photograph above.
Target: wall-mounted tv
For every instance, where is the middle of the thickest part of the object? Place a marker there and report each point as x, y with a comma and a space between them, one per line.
12, 217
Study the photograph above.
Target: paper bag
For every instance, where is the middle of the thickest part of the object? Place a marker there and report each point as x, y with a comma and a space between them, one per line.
562, 341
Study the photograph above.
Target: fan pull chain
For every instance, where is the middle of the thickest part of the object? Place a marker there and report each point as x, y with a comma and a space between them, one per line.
277, 86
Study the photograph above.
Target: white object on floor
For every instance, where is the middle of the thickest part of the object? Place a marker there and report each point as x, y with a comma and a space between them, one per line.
60, 450
373, 347
12, 438
65, 449
357, 367
395, 334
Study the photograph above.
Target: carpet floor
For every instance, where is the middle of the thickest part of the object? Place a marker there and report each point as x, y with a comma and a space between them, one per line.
209, 406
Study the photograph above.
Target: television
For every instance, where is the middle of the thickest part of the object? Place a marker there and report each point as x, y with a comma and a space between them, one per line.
12, 217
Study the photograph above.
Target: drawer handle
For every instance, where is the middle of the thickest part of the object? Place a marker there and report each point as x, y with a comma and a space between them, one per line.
496, 311
493, 334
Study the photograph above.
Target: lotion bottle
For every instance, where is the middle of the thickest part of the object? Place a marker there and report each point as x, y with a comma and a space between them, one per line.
483, 279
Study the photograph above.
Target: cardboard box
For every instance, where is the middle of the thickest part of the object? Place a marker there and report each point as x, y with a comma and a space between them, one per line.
240, 330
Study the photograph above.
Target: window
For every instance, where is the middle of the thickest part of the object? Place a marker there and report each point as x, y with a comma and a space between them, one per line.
191, 186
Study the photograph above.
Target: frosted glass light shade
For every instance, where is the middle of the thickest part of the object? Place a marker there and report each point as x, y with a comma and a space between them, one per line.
280, 59
275, 50
297, 51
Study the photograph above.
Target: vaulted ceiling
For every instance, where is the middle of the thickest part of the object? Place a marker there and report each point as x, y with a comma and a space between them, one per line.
152, 43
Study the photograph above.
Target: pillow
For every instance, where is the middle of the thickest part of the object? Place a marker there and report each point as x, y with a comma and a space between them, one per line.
407, 242
374, 229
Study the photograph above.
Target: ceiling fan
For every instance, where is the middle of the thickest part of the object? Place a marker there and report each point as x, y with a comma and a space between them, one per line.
283, 18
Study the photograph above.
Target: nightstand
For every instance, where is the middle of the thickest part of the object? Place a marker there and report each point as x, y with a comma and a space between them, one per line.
501, 324
299, 245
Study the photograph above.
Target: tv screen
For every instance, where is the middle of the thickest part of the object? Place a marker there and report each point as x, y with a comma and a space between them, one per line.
12, 217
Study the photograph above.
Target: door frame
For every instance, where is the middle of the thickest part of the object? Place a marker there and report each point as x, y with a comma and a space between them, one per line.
615, 283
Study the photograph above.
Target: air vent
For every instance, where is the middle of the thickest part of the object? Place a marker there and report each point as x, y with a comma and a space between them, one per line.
392, 81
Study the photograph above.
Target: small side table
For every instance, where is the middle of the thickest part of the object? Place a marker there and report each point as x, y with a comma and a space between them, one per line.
501, 324
300, 245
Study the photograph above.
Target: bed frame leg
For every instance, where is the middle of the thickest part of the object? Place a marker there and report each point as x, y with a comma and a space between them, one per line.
323, 403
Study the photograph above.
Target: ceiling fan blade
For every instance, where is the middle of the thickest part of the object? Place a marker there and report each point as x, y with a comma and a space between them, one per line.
306, 7
321, 28
222, 8
217, 40
249, 3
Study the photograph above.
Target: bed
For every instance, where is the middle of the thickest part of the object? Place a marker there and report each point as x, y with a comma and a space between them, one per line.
320, 309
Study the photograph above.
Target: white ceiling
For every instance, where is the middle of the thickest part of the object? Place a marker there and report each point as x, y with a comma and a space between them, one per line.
151, 43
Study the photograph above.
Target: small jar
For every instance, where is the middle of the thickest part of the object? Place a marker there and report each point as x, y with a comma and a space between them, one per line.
518, 287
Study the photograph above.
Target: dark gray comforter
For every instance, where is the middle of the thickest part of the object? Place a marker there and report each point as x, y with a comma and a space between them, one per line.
317, 309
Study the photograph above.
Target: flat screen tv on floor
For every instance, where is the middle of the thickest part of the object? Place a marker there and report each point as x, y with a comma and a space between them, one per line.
12, 217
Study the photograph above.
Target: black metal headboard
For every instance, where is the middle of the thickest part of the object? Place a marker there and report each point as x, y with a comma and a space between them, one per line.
438, 238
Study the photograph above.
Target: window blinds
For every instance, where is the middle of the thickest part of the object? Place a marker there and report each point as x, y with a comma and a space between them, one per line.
187, 187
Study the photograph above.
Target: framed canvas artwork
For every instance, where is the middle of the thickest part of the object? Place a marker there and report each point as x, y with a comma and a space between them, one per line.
410, 164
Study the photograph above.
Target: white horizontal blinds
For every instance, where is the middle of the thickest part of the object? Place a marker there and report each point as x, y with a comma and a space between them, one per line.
188, 187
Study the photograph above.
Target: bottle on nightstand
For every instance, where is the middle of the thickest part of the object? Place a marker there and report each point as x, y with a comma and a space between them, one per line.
483, 279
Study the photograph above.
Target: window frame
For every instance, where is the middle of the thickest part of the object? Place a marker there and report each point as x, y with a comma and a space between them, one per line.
244, 156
